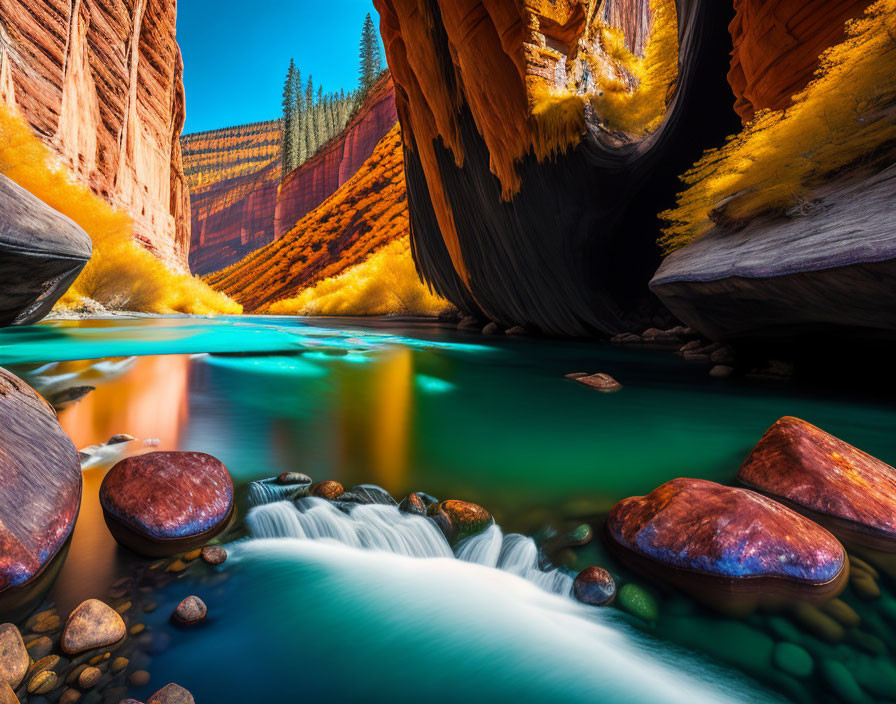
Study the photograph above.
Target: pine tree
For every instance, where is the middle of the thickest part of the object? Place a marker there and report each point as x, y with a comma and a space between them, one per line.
369, 51
288, 144
300, 151
310, 147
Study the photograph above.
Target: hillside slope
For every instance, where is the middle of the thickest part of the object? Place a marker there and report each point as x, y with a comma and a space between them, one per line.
365, 214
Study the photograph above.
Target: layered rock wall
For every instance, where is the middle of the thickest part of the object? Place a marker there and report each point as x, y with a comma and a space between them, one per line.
102, 85
777, 46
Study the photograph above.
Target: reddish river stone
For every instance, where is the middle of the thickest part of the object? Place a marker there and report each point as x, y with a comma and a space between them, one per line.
40, 487
852, 493
163, 503
729, 545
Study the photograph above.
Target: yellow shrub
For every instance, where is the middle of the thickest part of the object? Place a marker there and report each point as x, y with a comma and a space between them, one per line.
844, 116
121, 274
386, 283
640, 109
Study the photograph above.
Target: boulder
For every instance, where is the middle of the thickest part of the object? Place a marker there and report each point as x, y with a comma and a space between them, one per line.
92, 625
731, 548
459, 519
848, 491
40, 476
368, 494
164, 503
831, 269
41, 254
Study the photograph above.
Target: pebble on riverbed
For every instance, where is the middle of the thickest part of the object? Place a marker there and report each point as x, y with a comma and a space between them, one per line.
14, 658
290, 478
214, 554
602, 382
327, 490
92, 625
594, 586
171, 694
190, 611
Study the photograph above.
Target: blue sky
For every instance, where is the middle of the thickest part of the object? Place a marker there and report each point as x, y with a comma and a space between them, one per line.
236, 53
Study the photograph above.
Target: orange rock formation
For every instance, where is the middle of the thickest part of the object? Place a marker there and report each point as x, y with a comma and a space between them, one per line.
102, 84
777, 45
369, 211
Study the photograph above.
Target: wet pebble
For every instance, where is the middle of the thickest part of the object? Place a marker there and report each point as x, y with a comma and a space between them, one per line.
118, 664
214, 554
190, 611
413, 503
594, 586
44, 622
638, 602
171, 694
14, 658
49, 662
92, 625
192, 555
818, 623
841, 682
89, 677
139, 678
43, 682
602, 382
70, 696
842, 612
290, 478
39, 647
327, 490
176, 566
793, 659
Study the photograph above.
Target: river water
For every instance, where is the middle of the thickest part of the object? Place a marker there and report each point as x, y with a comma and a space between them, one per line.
318, 605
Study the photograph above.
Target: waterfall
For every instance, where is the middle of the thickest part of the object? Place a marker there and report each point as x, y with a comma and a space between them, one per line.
268, 491
385, 528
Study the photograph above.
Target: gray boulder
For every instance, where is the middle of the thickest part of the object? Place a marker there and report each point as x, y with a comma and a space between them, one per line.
41, 254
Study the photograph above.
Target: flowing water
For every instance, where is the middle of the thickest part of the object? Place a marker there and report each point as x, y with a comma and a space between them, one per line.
317, 603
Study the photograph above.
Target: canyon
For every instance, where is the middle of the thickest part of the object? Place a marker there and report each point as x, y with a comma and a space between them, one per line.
102, 86
248, 207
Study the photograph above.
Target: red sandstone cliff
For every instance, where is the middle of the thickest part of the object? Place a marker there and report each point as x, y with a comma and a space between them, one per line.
233, 217
102, 84
777, 46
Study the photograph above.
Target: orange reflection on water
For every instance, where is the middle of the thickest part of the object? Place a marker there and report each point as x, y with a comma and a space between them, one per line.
147, 401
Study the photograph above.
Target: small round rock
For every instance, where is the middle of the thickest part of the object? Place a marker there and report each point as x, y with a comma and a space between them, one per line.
43, 682
214, 554
190, 611
327, 490
139, 678
171, 694
594, 586
89, 677
290, 478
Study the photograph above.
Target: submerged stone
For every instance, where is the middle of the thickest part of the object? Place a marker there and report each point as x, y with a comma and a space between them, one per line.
40, 476
171, 694
594, 586
459, 519
14, 659
638, 602
190, 611
793, 659
728, 547
92, 625
601, 382
848, 491
214, 554
368, 494
164, 503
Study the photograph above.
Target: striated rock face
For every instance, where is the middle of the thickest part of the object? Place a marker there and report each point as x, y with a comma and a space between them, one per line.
248, 209
830, 270
41, 254
850, 492
102, 84
777, 46
163, 503
368, 212
528, 205
717, 542
323, 174
40, 476
234, 176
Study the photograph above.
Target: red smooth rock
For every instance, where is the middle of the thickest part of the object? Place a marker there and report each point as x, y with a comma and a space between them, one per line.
163, 503
724, 542
459, 519
40, 486
851, 492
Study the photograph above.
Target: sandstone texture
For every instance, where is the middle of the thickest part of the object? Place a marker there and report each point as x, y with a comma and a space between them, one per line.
533, 215
102, 85
852, 493
41, 254
249, 208
777, 46
40, 476
163, 503
716, 541
831, 268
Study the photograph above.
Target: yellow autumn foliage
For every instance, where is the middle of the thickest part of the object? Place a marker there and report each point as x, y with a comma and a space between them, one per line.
386, 283
637, 106
121, 274
846, 116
